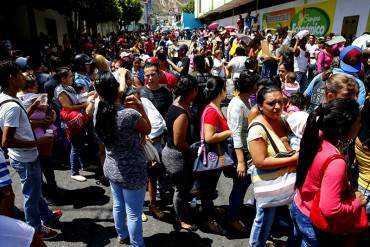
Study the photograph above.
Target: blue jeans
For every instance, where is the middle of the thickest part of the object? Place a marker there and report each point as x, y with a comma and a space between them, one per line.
301, 78
261, 226
128, 207
35, 207
304, 233
75, 155
269, 69
236, 197
366, 193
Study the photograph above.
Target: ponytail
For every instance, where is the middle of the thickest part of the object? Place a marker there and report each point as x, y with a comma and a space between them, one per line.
105, 125
310, 145
335, 120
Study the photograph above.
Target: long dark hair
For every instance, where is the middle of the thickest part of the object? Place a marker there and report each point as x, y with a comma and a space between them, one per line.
107, 88
246, 82
335, 120
185, 86
60, 73
214, 87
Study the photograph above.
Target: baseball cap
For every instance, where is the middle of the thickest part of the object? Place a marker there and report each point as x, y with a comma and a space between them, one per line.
124, 54
153, 60
22, 62
336, 40
350, 59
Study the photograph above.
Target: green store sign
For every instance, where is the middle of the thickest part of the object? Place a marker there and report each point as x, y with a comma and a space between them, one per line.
315, 20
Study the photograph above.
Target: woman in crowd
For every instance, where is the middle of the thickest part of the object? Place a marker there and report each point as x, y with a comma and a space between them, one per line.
283, 69
120, 127
218, 65
137, 71
324, 58
328, 131
237, 119
362, 149
175, 155
216, 131
71, 106
270, 104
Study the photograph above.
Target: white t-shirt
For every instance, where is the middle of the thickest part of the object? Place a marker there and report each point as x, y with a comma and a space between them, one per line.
218, 68
300, 62
363, 42
15, 233
156, 120
12, 115
312, 49
237, 63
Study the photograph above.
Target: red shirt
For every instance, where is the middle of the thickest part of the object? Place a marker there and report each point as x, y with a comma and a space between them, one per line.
213, 118
149, 46
335, 201
168, 79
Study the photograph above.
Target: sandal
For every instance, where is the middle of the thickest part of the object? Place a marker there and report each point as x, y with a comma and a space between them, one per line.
178, 226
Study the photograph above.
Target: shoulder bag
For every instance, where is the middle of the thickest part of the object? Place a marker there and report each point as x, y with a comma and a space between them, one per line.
273, 187
209, 156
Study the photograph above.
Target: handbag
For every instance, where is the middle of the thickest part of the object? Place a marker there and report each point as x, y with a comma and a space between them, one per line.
273, 187
151, 152
359, 222
74, 122
209, 156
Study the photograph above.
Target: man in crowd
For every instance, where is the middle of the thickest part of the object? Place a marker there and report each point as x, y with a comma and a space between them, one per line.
18, 138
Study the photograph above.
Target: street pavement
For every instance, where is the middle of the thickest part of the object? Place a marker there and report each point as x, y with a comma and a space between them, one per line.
88, 221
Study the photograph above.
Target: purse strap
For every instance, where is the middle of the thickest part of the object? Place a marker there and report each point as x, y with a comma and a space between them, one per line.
202, 138
327, 162
273, 144
22, 107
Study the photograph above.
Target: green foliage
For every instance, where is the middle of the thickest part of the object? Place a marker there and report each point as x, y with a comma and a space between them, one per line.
132, 10
189, 7
98, 10
94, 11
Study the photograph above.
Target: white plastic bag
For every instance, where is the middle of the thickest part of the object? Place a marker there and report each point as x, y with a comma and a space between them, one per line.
151, 152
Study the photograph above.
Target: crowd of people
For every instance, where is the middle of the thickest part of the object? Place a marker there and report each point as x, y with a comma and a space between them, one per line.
150, 113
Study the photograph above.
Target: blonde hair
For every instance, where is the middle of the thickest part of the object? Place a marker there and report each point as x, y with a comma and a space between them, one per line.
101, 63
339, 82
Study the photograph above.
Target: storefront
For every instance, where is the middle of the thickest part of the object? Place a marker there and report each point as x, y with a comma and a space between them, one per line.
320, 17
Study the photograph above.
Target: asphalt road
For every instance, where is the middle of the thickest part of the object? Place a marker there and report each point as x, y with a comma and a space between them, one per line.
88, 221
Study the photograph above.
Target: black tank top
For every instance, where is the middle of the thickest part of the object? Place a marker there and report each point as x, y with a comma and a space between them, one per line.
173, 113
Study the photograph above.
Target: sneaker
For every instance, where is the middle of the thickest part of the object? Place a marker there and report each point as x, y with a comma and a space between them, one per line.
79, 178
45, 233
56, 216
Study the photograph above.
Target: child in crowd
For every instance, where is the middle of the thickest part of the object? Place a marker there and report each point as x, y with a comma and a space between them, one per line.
28, 96
296, 118
290, 85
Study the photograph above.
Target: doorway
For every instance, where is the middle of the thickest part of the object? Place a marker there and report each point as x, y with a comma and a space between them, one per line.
349, 26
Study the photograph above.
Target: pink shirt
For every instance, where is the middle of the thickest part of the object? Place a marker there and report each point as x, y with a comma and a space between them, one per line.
336, 202
323, 61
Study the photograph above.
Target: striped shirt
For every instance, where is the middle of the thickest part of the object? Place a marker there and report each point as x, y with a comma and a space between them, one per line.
4, 172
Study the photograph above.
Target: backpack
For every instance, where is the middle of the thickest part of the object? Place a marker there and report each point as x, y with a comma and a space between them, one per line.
318, 93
